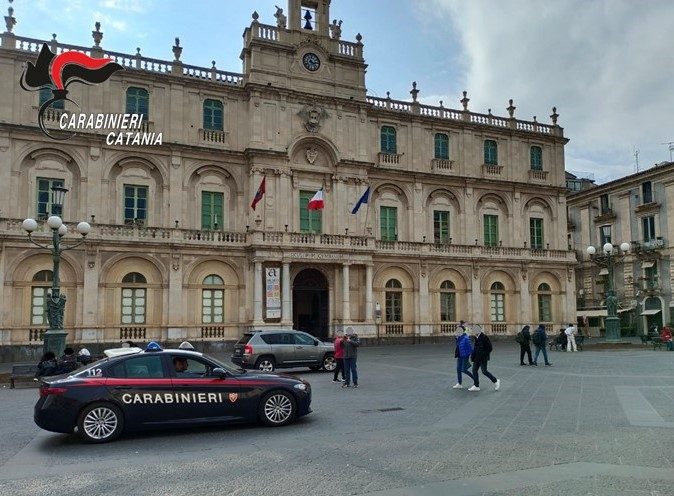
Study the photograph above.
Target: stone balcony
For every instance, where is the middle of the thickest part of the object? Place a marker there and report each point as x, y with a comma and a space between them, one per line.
442, 165
538, 176
388, 159
213, 137
491, 170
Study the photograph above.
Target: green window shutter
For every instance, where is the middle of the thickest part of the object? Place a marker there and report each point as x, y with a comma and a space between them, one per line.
447, 307
211, 210
441, 146
536, 158
388, 140
440, 226
389, 223
135, 204
44, 196
536, 232
490, 152
491, 230
545, 308
45, 94
310, 220
138, 102
213, 115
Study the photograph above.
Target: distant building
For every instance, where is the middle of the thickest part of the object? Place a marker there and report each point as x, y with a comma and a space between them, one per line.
578, 183
637, 209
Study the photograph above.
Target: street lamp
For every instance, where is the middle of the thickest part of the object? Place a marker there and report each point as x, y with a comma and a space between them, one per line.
612, 321
55, 337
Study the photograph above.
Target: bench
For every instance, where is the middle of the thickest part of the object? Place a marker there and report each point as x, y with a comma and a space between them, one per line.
22, 372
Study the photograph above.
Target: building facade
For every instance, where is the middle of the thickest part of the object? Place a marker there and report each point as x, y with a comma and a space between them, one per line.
635, 210
465, 220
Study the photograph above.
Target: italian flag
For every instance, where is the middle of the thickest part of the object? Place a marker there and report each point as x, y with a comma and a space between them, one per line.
316, 203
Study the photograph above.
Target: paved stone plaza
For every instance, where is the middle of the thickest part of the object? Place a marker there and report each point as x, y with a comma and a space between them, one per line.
596, 423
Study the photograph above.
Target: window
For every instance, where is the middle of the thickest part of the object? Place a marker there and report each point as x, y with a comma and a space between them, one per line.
271, 338
46, 94
135, 204
45, 196
310, 220
544, 303
184, 366
649, 228
536, 158
389, 223
388, 140
38, 297
490, 230
497, 302
133, 299
138, 102
573, 185
647, 192
651, 275
441, 226
536, 231
211, 210
213, 115
447, 302
142, 367
212, 299
303, 340
394, 301
490, 152
604, 235
441, 146
604, 205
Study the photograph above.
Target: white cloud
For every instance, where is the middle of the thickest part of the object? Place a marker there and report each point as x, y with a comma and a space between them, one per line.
606, 65
125, 5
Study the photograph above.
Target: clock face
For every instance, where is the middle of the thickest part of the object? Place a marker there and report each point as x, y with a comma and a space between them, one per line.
311, 62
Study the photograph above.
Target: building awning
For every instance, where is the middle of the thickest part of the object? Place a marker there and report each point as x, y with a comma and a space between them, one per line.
621, 310
592, 313
603, 272
650, 312
647, 265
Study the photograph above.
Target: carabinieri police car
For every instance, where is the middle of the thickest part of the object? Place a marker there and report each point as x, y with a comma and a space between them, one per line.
156, 388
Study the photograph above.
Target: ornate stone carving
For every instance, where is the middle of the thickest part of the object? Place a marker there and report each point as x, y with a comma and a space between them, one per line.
336, 29
281, 19
312, 115
312, 154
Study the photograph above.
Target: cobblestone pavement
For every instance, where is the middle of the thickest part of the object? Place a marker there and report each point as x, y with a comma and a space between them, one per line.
596, 423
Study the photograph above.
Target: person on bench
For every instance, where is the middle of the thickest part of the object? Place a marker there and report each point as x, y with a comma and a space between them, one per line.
47, 365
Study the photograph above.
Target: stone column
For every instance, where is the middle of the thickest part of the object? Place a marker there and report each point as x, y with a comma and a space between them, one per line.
257, 293
286, 317
176, 299
369, 311
424, 318
346, 308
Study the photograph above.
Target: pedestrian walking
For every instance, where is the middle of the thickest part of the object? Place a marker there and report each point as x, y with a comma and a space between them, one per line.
480, 357
571, 338
666, 337
339, 356
539, 338
524, 339
351, 345
462, 352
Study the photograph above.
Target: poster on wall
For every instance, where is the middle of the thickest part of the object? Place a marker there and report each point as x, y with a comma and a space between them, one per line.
273, 284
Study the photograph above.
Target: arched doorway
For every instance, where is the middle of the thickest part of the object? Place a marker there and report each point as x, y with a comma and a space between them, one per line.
310, 303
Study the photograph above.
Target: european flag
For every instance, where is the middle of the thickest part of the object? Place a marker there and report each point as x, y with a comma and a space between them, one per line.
363, 199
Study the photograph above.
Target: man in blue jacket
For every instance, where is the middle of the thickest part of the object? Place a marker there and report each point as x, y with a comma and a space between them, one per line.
539, 340
462, 353
480, 357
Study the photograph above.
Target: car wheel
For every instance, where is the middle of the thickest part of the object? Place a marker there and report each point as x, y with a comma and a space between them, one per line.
329, 363
277, 408
265, 364
100, 423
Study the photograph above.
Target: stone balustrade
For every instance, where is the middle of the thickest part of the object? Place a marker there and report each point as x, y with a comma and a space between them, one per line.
538, 175
388, 158
442, 165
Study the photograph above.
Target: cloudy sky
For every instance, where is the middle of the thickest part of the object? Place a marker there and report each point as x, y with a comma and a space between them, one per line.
608, 66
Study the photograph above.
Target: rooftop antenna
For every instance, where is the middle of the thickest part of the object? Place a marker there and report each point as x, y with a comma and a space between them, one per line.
671, 148
636, 159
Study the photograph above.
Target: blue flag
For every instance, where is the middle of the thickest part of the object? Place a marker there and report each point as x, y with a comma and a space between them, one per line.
363, 199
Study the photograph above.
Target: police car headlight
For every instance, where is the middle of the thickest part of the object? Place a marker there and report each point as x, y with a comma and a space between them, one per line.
301, 387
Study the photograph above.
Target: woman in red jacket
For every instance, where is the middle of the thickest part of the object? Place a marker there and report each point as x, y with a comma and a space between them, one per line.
666, 337
339, 356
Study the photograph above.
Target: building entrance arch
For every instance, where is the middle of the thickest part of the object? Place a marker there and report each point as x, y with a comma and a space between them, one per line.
310, 303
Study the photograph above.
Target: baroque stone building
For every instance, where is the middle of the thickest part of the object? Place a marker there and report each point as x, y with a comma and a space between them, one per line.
635, 210
465, 220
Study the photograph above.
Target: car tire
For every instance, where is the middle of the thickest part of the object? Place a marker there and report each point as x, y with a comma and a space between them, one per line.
277, 408
265, 364
100, 423
329, 363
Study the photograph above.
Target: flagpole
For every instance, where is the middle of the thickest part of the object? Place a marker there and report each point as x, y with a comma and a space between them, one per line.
367, 212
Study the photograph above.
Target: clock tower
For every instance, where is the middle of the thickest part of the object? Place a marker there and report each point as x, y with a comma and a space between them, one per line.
304, 51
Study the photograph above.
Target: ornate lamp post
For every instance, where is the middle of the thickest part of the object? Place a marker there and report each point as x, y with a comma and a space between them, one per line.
612, 320
55, 337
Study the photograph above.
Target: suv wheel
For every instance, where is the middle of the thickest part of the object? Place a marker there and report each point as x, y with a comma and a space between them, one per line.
277, 408
265, 364
100, 423
329, 363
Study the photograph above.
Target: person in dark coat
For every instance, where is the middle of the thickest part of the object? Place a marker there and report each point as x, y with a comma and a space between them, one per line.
339, 357
47, 365
68, 362
462, 353
480, 357
525, 345
539, 338
351, 345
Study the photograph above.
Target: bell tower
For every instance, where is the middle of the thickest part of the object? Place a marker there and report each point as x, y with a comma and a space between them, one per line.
302, 50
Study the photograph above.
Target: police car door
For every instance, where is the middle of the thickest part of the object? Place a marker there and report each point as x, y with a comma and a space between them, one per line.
142, 386
200, 395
